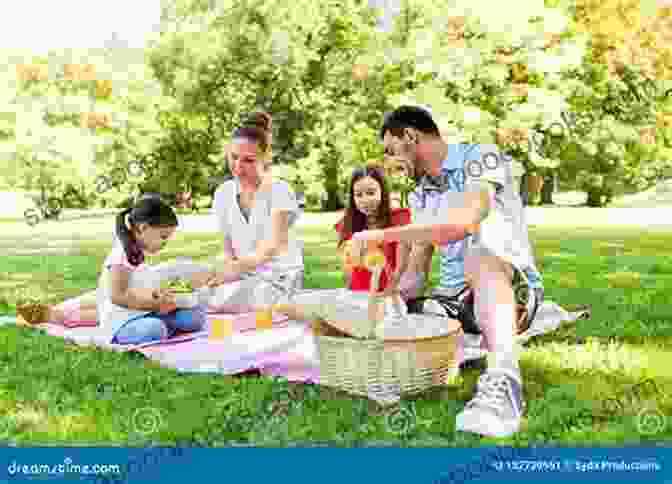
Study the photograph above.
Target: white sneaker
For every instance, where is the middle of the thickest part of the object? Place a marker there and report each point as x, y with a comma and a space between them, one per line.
496, 409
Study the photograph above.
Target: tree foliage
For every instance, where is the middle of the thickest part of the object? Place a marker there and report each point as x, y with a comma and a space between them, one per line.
69, 120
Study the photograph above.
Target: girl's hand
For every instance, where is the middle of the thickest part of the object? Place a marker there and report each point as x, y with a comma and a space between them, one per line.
166, 301
361, 241
392, 288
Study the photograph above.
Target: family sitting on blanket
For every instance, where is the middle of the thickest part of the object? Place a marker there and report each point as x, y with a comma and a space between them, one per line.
487, 269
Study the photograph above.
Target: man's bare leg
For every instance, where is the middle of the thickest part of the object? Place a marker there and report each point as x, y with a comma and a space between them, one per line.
496, 408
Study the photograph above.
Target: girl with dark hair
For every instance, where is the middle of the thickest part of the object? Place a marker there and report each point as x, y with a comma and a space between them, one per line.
131, 307
369, 207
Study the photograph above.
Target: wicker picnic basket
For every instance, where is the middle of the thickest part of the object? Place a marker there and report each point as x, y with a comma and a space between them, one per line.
385, 357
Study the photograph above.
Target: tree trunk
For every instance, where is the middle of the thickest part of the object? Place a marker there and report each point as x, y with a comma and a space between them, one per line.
534, 185
524, 193
595, 197
548, 188
332, 201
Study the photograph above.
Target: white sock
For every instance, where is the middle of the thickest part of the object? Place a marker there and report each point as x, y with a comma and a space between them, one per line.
505, 359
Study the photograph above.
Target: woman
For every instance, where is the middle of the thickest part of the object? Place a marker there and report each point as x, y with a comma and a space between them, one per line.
255, 213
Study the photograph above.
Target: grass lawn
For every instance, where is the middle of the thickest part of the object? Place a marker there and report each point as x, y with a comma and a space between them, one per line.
578, 381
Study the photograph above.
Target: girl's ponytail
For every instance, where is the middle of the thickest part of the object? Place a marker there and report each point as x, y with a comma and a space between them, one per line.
125, 236
148, 210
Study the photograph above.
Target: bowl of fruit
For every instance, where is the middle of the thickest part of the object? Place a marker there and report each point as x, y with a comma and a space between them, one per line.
186, 296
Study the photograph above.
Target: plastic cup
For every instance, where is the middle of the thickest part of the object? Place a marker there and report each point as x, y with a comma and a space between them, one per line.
264, 318
221, 329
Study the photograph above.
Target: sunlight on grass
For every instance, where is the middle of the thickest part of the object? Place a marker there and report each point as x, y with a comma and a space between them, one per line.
624, 280
567, 280
591, 358
28, 416
560, 255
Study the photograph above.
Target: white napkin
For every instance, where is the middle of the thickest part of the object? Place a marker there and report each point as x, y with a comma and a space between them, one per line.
395, 308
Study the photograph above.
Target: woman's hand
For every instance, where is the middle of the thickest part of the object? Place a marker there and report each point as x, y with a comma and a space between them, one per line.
231, 268
217, 279
202, 279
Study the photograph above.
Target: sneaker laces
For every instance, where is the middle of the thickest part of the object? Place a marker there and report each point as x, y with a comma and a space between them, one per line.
493, 392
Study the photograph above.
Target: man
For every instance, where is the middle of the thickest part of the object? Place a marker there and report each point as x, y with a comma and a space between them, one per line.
476, 218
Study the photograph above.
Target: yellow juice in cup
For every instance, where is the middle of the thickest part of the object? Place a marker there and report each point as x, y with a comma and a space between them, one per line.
221, 329
264, 318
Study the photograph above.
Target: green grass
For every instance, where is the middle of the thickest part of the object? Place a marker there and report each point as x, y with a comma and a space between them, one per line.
53, 392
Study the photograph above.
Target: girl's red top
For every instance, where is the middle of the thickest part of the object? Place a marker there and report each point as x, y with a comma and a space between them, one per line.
361, 277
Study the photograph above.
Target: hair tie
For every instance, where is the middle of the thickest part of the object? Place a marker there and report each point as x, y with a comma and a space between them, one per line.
127, 217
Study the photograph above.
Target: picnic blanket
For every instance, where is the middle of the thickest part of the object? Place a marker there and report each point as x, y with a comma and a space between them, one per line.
288, 349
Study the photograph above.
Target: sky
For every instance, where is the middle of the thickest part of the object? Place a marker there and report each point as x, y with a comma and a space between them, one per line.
38, 25
42, 24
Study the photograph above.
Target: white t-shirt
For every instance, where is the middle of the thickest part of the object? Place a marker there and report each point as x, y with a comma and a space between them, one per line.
243, 234
112, 317
504, 232
144, 276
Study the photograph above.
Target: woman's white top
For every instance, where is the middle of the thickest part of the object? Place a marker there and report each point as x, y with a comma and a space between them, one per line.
244, 234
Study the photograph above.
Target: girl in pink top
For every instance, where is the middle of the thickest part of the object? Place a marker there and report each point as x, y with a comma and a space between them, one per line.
131, 307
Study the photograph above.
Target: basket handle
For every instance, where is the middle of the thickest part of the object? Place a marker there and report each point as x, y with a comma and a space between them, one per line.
375, 301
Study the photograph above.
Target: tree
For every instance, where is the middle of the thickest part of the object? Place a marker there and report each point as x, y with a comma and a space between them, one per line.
67, 125
527, 82
308, 63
